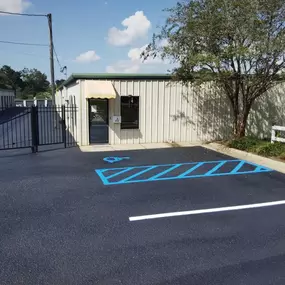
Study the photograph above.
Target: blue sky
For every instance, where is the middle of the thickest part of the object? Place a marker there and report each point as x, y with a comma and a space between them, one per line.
88, 34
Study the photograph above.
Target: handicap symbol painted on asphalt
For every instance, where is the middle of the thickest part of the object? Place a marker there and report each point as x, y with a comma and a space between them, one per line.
114, 159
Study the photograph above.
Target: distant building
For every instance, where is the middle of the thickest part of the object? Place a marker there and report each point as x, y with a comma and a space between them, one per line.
7, 99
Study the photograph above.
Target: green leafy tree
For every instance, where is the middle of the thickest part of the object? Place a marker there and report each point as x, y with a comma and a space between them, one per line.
9, 78
35, 82
238, 44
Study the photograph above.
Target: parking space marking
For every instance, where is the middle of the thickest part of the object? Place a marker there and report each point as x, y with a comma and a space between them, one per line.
136, 174
119, 173
207, 211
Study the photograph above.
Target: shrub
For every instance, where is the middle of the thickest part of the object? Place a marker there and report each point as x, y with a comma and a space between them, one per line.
261, 147
282, 156
245, 143
269, 149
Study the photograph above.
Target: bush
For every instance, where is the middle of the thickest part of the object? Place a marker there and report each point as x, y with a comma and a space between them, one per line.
275, 149
260, 147
245, 143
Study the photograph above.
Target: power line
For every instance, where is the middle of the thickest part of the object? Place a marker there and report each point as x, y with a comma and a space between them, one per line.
23, 14
24, 44
63, 69
57, 58
51, 48
24, 54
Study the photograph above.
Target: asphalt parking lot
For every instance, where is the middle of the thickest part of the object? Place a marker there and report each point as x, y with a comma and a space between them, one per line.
164, 216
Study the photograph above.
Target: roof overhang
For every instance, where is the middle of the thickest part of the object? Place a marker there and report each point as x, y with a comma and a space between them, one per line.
113, 76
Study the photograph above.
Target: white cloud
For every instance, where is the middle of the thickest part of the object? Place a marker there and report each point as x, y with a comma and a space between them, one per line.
136, 26
88, 56
134, 54
123, 66
135, 63
163, 43
14, 6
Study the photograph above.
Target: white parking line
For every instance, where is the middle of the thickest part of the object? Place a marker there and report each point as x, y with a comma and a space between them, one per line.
207, 211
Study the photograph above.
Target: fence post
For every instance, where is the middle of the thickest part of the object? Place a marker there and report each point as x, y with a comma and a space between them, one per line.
63, 125
273, 135
34, 129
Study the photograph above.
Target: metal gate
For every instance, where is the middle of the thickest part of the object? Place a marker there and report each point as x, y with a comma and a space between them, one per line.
15, 129
39, 126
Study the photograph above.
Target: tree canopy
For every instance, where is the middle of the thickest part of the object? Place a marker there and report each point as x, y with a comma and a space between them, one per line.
239, 44
35, 82
28, 83
9, 78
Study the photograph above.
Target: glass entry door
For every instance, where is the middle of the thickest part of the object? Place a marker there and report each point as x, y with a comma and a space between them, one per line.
98, 121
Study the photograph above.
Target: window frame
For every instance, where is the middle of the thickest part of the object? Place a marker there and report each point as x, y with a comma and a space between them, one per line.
137, 127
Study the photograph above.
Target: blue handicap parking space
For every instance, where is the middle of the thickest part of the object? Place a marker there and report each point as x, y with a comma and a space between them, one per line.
162, 172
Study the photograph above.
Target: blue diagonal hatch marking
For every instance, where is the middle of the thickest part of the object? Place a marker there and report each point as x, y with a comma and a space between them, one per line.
138, 174
164, 172
184, 174
261, 169
101, 175
120, 172
258, 168
215, 168
238, 167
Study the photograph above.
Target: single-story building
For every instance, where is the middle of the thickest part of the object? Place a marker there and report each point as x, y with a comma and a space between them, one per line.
7, 99
150, 108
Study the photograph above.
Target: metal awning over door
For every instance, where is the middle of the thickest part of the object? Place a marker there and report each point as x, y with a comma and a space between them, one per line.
99, 89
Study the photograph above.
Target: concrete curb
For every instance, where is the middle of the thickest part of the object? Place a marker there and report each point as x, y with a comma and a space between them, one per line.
267, 162
123, 147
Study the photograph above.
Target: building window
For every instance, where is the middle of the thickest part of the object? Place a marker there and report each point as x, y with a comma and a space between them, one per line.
130, 112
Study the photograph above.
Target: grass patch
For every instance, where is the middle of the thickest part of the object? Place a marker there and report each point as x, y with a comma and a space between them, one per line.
260, 147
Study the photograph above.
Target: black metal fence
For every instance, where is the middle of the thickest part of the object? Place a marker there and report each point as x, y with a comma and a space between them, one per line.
33, 127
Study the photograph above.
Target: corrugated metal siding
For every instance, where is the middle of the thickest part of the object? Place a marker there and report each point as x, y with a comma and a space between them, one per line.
7, 99
71, 97
266, 111
170, 112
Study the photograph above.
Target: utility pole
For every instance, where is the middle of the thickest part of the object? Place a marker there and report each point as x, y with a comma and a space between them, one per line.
49, 16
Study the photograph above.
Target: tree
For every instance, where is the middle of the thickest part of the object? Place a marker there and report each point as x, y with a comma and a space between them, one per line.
35, 82
9, 78
238, 44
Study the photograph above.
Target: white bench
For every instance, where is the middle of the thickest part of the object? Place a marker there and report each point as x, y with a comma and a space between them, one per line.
273, 134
